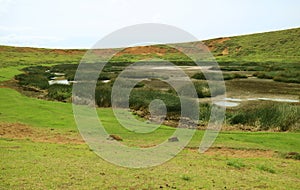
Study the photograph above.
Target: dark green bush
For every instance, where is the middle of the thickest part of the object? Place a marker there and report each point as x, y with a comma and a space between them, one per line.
262, 75
139, 85
140, 99
231, 69
218, 76
103, 95
288, 76
104, 77
239, 118
203, 90
205, 111
59, 92
199, 76
35, 80
292, 155
269, 115
35, 76
229, 76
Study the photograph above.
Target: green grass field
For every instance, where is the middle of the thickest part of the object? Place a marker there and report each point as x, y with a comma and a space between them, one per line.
41, 148
30, 164
7, 73
33, 165
59, 116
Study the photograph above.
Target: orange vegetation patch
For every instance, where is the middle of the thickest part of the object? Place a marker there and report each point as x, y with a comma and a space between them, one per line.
225, 51
237, 153
21, 131
220, 40
212, 43
66, 51
146, 50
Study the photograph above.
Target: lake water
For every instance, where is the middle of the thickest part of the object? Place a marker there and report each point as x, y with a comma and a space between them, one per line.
232, 102
64, 81
226, 104
105, 81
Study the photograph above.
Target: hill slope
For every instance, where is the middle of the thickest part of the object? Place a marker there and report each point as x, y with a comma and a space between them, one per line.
276, 47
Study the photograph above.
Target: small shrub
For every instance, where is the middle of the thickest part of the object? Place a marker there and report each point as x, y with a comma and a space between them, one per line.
236, 164
266, 168
202, 90
115, 137
262, 75
239, 118
292, 155
237, 75
205, 112
139, 85
186, 178
104, 77
199, 76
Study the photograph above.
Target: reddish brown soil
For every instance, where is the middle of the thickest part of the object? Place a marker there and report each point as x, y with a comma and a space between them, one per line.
146, 50
21, 131
138, 50
212, 43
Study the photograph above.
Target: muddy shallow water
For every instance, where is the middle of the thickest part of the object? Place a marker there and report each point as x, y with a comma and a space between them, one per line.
232, 102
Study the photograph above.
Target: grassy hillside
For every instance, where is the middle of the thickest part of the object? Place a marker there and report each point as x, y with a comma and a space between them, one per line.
270, 47
271, 55
279, 46
17, 56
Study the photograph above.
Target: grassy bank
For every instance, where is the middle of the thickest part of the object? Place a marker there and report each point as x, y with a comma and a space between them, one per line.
59, 116
33, 165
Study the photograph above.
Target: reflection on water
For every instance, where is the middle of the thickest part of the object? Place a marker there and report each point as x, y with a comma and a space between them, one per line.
278, 99
105, 81
226, 104
232, 102
59, 78
64, 81
233, 99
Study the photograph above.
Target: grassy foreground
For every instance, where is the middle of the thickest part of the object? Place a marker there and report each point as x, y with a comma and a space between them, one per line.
31, 164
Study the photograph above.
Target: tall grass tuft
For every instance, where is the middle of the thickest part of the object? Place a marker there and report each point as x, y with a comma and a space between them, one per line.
270, 115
